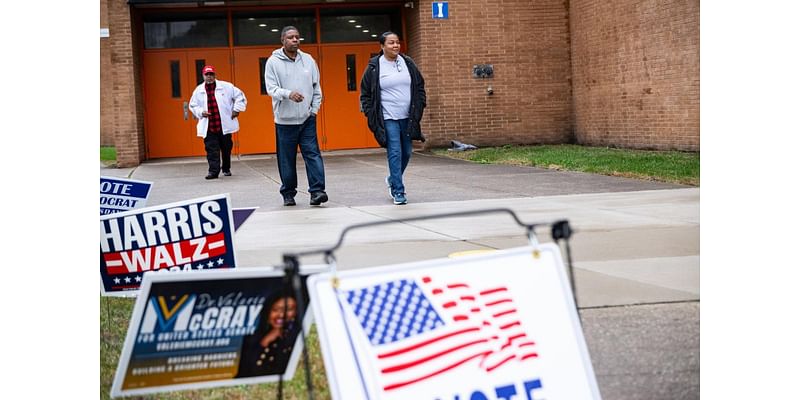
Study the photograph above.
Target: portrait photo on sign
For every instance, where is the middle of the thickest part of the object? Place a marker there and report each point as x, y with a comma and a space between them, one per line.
267, 350
212, 328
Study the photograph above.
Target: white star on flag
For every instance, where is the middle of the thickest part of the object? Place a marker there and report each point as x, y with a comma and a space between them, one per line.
116, 280
138, 278
210, 264
200, 266
220, 261
127, 279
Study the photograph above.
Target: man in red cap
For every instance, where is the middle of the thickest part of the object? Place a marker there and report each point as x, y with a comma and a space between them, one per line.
217, 104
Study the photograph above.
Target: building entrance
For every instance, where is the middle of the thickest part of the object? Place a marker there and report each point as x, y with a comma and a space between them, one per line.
178, 45
171, 77
345, 125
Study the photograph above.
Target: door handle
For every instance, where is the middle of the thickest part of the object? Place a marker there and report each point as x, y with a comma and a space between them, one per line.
185, 110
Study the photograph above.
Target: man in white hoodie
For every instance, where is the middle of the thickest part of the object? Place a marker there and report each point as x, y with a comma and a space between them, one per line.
217, 104
292, 80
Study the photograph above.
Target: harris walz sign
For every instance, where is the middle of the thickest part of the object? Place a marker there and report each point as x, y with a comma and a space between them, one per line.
195, 234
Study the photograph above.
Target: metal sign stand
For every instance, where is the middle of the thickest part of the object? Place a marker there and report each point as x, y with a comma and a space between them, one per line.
560, 231
293, 284
291, 268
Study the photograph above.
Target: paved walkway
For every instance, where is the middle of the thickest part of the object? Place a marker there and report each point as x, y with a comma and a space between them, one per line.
635, 247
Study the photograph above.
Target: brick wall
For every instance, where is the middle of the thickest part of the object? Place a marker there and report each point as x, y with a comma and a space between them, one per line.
126, 109
106, 97
636, 72
619, 73
526, 41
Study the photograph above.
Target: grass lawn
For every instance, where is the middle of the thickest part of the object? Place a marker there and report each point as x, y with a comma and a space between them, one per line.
666, 166
108, 155
114, 317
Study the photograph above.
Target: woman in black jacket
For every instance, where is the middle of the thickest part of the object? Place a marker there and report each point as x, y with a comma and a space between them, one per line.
393, 99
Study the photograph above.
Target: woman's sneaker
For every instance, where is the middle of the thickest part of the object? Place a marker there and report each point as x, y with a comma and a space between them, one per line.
389, 186
399, 199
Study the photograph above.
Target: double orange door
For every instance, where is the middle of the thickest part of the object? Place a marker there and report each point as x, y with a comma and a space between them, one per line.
170, 76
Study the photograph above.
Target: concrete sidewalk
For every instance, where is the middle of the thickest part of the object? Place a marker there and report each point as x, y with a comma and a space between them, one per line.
635, 247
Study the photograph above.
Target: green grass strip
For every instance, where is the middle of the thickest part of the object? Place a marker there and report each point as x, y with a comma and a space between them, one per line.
666, 166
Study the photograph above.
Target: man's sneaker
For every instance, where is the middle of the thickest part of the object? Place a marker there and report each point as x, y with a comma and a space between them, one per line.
226, 173
389, 185
289, 201
399, 199
212, 176
318, 198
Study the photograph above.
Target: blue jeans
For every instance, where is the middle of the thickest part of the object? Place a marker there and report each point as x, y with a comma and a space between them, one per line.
398, 152
287, 138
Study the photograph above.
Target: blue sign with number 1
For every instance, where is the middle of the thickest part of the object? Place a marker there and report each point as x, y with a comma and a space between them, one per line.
440, 10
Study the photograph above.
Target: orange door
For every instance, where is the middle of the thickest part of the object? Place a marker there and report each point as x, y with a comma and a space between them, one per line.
169, 80
257, 134
257, 128
341, 70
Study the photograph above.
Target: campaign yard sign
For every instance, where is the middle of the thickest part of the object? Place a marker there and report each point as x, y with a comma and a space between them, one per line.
122, 194
193, 330
194, 234
501, 325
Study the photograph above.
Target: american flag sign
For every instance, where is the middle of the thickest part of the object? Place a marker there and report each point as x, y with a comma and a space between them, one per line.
487, 326
414, 342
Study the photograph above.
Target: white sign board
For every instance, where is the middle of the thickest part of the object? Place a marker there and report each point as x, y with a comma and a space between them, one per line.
195, 234
205, 329
122, 194
501, 325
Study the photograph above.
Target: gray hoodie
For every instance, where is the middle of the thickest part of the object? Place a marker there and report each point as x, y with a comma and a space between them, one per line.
283, 76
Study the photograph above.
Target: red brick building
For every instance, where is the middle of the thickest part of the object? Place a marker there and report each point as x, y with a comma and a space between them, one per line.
617, 73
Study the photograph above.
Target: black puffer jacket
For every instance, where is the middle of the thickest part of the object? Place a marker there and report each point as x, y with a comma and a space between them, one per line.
371, 100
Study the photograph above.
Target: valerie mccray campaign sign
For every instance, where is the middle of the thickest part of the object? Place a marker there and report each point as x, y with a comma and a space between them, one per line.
194, 234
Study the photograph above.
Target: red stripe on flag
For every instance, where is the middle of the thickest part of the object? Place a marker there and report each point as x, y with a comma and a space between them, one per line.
513, 338
508, 344
410, 364
506, 326
458, 286
500, 314
427, 342
490, 291
509, 358
494, 303
445, 369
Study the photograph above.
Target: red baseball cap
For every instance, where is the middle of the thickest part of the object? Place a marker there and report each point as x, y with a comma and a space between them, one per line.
209, 69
